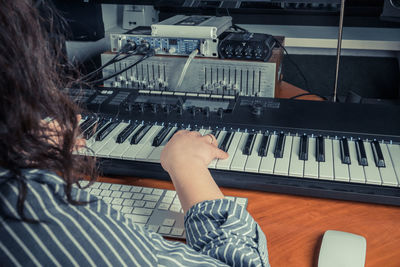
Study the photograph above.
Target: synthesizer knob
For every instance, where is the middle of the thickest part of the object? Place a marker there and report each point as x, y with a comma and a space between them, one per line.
167, 108
220, 112
207, 112
193, 111
257, 109
154, 108
248, 51
172, 50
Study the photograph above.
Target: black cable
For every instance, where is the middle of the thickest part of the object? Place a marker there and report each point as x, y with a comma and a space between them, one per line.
295, 64
304, 94
150, 53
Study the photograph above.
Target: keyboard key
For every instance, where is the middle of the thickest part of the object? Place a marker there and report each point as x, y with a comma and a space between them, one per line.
263, 149
151, 198
282, 163
126, 209
150, 205
326, 166
139, 134
128, 202
311, 165
153, 227
320, 149
377, 152
280, 146
126, 132
137, 218
344, 151
139, 203
249, 144
168, 222
296, 166
341, 170
361, 155
163, 206
303, 153
177, 231
164, 230
142, 211
103, 133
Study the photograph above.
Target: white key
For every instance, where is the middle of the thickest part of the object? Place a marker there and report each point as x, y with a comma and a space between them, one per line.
133, 150
225, 164
117, 150
296, 165
282, 164
394, 151
111, 141
156, 153
267, 163
239, 159
147, 146
356, 171
311, 165
372, 175
254, 160
98, 145
221, 136
388, 174
326, 167
202, 131
341, 170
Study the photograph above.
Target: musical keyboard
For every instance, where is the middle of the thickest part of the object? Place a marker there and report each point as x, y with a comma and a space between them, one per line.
341, 151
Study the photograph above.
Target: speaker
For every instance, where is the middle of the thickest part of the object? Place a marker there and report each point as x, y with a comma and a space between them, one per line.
391, 10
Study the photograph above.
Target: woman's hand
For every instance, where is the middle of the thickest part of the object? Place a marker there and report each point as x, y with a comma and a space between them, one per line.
189, 149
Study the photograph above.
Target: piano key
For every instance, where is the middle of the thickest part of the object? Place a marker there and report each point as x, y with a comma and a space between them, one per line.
127, 131
263, 149
134, 149
268, 162
296, 166
378, 156
87, 123
239, 159
156, 153
326, 166
361, 156
111, 142
388, 174
216, 132
121, 148
372, 174
356, 171
161, 135
282, 164
311, 165
98, 145
320, 149
224, 145
204, 131
254, 160
90, 131
147, 145
175, 131
280, 146
140, 133
248, 146
303, 153
97, 127
106, 130
394, 151
341, 170
232, 146
344, 151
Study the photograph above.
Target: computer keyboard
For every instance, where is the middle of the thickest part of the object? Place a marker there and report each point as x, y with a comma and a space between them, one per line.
158, 210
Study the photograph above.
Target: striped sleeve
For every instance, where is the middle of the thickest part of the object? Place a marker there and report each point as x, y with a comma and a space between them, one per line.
226, 231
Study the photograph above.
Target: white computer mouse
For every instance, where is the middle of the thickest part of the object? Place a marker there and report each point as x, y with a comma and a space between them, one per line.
341, 249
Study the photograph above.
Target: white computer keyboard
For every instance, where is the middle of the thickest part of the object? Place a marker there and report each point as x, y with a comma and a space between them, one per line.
159, 210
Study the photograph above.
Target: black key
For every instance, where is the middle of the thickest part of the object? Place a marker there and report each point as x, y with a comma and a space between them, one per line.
263, 149
106, 131
226, 142
126, 132
94, 128
249, 144
378, 156
216, 133
87, 123
361, 155
280, 144
303, 153
161, 136
344, 151
320, 147
140, 133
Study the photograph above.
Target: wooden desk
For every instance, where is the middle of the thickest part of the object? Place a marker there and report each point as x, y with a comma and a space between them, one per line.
294, 225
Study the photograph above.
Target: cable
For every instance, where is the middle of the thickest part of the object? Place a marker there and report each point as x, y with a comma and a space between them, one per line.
149, 53
304, 94
294, 63
129, 48
186, 66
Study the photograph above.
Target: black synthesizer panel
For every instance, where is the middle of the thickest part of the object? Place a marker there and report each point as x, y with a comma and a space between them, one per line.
322, 149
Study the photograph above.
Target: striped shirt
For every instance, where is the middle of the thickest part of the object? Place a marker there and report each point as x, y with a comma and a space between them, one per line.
219, 232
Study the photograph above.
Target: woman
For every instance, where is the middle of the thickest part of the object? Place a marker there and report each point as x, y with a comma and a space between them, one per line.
46, 221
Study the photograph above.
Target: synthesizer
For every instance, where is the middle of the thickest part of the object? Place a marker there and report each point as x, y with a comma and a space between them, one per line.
321, 149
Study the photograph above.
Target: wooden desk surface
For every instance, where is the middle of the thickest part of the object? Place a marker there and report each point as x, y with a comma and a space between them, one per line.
294, 225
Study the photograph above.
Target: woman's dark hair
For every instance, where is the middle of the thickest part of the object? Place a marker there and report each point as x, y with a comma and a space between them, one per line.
31, 83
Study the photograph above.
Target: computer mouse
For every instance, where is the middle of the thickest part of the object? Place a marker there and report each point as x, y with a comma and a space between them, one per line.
342, 249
